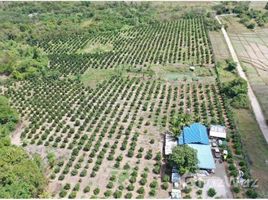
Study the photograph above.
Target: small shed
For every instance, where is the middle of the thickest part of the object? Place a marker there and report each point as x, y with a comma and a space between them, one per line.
217, 131
170, 143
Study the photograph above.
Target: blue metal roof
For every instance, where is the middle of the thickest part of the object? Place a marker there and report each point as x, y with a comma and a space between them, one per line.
204, 155
194, 134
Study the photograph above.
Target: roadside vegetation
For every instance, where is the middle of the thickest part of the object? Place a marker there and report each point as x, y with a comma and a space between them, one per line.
241, 116
250, 17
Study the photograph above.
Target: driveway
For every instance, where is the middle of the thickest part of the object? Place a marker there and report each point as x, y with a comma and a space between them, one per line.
219, 181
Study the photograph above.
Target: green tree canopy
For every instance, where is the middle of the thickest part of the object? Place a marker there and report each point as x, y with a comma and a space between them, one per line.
236, 92
178, 122
185, 158
21, 60
20, 176
8, 117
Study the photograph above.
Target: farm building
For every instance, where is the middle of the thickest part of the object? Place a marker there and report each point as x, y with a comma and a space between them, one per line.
196, 136
170, 142
204, 155
217, 131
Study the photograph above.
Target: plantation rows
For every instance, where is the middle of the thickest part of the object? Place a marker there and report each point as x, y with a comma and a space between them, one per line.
111, 134
184, 41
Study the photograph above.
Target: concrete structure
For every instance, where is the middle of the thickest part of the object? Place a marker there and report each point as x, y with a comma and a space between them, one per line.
170, 143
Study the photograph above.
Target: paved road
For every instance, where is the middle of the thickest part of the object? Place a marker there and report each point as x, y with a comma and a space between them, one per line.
254, 102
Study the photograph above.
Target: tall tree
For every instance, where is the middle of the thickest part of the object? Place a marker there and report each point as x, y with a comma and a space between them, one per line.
185, 158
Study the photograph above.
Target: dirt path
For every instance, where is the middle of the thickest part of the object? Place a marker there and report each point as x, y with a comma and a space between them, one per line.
254, 102
15, 138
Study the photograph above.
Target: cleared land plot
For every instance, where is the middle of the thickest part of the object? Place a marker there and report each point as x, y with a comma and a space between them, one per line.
183, 73
115, 130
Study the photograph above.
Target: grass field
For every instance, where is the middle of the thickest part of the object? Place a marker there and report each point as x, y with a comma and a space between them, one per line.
180, 73
220, 48
255, 146
94, 76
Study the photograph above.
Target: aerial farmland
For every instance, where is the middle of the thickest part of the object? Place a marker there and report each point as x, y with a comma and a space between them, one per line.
133, 100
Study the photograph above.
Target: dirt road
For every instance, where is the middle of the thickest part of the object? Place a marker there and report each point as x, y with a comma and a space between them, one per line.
254, 102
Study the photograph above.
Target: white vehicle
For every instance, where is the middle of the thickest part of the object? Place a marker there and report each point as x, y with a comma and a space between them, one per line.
175, 194
176, 185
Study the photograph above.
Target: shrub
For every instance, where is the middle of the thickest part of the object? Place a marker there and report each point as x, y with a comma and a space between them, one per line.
110, 185
86, 189
63, 193
132, 179
83, 173
72, 195
128, 195
126, 166
166, 178
158, 156
199, 192
211, 192
152, 192
164, 186
117, 194
67, 186
141, 190
157, 169
236, 189
61, 177
140, 196
252, 194
121, 187
130, 187
108, 193
74, 172
143, 181
93, 174
96, 191
153, 184
199, 184
76, 187
187, 190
